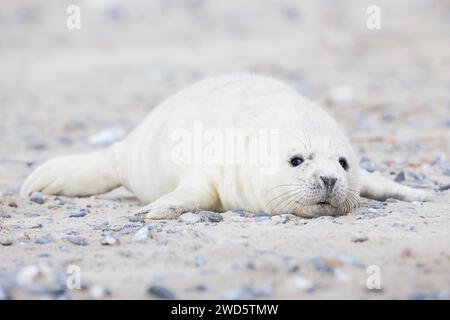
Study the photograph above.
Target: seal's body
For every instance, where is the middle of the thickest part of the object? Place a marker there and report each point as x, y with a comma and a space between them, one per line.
305, 164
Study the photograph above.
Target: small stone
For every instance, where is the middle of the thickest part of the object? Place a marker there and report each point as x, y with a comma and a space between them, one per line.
249, 293
162, 241
370, 165
78, 213
130, 228
342, 276
6, 241
264, 215
109, 240
201, 288
4, 295
107, 136
189, 218
417, 296
99, 292
37, 197
136, 219
31, 214
441, 295
400, 177
360, 239
36, 226
199, 260
12, 204
209, 216
44, 239
5, 215
42, 279
141, 235
323, 265
77, 240
444, 187
102, 226
303, 284
161, 292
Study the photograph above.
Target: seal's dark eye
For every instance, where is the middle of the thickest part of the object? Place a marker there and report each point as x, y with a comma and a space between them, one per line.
296, 161
343, 163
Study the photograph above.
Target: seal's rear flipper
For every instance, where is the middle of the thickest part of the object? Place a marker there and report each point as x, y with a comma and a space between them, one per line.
75, 175
379, 188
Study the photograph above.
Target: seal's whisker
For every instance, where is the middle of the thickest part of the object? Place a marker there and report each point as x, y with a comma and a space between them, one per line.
287, 201
287, 193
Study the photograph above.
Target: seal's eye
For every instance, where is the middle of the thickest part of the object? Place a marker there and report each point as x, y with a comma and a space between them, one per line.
343, 163
296, 161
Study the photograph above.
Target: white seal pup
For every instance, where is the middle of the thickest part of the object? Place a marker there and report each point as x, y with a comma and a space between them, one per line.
304, 165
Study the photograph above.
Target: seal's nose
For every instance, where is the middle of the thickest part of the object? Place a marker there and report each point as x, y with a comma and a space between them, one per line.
329, 182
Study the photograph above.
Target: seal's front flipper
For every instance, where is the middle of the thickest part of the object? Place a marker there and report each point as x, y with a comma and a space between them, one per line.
188, 197
379, 188
75, 175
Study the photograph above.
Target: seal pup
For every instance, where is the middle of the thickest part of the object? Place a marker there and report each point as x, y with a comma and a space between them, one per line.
311, 169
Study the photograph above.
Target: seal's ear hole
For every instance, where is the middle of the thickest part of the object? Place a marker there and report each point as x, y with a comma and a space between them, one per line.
295, 161
343, 162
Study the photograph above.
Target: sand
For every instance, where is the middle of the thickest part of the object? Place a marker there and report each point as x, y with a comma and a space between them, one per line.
388, 89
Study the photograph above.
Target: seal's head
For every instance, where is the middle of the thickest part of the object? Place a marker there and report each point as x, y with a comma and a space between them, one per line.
315, 177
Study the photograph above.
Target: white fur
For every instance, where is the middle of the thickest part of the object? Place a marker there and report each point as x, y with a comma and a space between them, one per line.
143, 164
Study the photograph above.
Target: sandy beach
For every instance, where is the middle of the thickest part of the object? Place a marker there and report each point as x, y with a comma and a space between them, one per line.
64, 91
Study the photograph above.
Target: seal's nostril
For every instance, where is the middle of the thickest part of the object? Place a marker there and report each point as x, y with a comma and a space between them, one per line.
329, 182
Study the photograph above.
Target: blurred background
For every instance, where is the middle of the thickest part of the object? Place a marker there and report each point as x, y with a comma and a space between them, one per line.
65, 90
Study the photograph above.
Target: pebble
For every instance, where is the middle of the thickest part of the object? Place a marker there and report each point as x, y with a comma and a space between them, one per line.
400, 177
441, 295
36, 226
359, 239
303, 284
6, 241
37, 197
99, 292
78, 213
323, 265
371, 166
109, 240
348, 260
417, 296
161, 292
107, 136
209, 216
199, 261
136, 219
189, 218
5, 215
41, 279
444, 187
77, 240
130, 228
102, 226
342, 276
142, 235
44, 239
249, 293
262, 215
4, 295
31, 214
